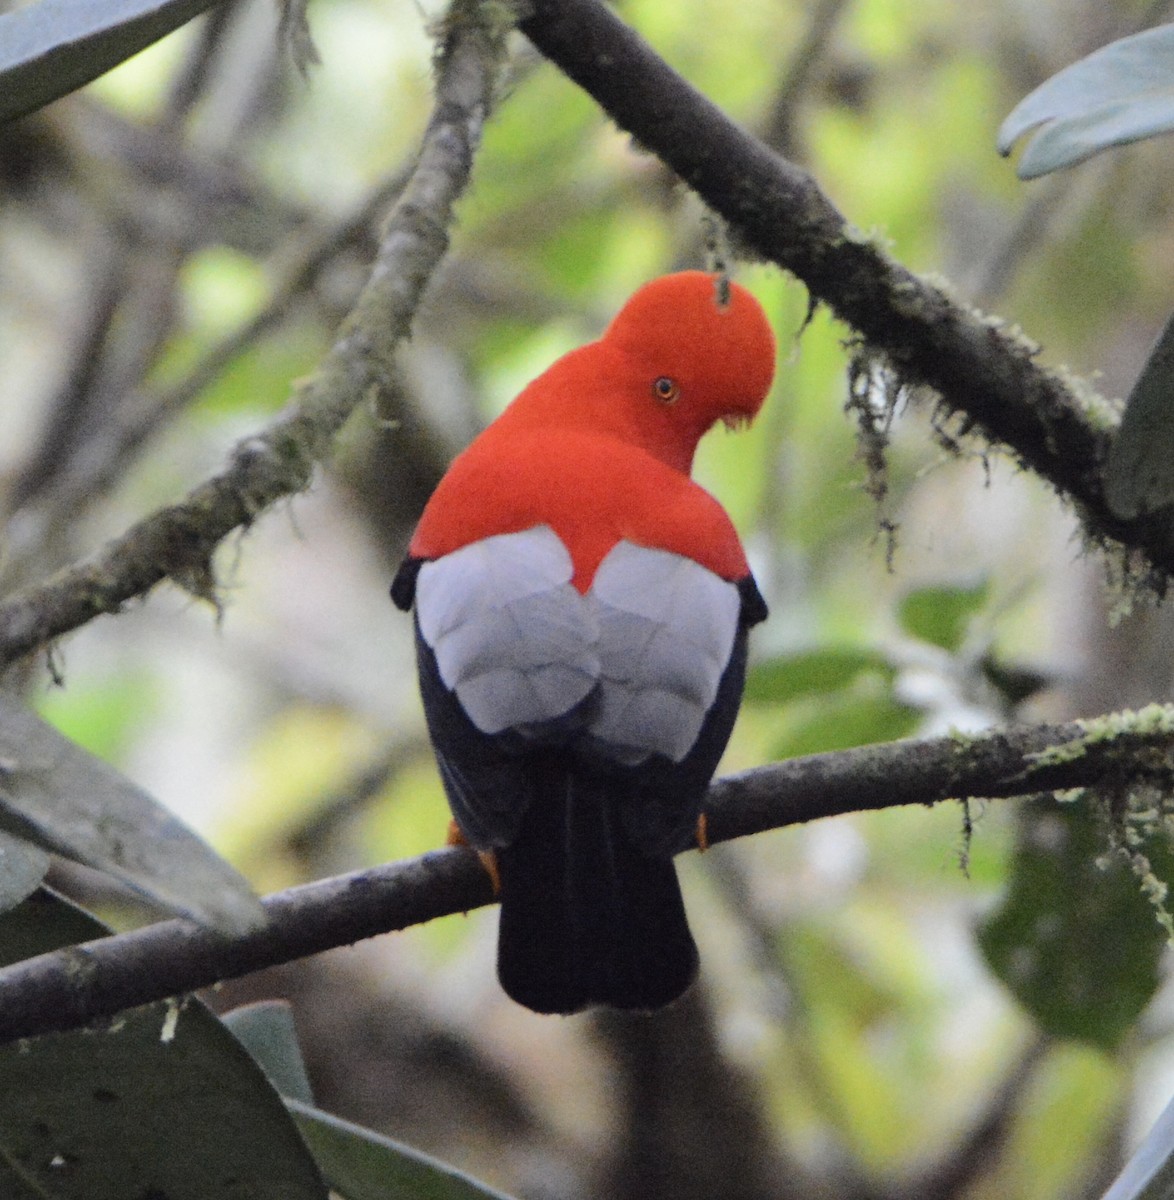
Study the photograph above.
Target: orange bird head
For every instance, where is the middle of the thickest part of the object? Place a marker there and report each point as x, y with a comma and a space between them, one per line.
673, 362
721, 356
702, 361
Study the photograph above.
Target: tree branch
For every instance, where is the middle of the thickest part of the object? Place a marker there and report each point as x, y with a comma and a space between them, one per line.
1116, 750
179, 541
61, 484
73, 986
982, 371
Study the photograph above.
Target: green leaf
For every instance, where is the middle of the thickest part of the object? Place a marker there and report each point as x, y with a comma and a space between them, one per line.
789, 677
104, 713
161, 1102
65, 800
359, 1163
1075, 942
44, 921
363, 1165
841, 722
1149, 1174
942, 615
22, 867
1139, 476
1014, 681
266, 1030
52, 47
1121, 93
830, 699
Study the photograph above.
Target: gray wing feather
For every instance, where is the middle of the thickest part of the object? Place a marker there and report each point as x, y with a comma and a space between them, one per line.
521, 647
511, 635
667, 628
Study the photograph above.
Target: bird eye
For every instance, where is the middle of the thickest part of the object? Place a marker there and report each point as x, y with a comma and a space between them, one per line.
666, 390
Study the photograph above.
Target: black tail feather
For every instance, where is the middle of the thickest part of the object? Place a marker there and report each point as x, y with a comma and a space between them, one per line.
586, 918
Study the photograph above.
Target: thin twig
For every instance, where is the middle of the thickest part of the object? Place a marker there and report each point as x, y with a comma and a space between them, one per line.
781, 132
981, 1146
112, 447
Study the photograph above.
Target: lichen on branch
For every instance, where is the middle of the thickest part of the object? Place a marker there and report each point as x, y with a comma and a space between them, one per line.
179, 542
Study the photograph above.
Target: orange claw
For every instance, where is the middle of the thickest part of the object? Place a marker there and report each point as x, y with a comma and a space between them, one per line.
702, 832
454, 837
489, 862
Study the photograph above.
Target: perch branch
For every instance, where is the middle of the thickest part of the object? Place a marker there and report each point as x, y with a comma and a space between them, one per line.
79, 984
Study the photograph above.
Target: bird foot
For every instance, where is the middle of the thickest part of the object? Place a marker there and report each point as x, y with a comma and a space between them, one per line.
702, 832
454, 837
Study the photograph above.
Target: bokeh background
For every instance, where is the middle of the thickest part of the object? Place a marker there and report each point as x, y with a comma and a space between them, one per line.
178, 243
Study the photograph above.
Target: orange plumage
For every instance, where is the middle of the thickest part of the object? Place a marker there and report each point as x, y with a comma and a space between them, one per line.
582, 610
591, 449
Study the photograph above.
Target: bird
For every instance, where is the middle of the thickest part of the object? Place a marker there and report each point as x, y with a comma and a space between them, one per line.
581, 610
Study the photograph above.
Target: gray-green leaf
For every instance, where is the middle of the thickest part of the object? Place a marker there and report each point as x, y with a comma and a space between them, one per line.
364, 1165
22, 867
60, 797
1149, 1174
266, 1030
358, 1163
52, 47
1121, 93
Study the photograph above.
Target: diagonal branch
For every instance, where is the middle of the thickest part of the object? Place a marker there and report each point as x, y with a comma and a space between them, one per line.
982, 371
79, 984
58, 486
179, 541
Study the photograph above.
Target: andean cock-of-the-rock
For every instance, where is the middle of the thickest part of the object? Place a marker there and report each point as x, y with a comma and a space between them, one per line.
581, 611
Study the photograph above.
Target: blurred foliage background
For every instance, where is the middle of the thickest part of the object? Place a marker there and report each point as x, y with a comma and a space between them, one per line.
177, 244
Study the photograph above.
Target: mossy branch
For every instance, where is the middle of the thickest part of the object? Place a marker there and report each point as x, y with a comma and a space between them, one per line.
984, 372
178, 542
1112, 752
72, 987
